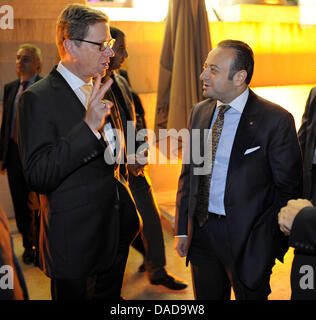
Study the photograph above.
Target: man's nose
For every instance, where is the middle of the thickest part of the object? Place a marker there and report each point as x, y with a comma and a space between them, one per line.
202, 75
109, 52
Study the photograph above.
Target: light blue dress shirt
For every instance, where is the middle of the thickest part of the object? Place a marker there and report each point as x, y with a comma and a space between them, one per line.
224, 148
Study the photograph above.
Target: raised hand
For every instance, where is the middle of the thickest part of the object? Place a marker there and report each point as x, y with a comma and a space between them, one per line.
98, 109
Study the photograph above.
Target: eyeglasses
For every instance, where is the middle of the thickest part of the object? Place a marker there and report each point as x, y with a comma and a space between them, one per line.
102, 45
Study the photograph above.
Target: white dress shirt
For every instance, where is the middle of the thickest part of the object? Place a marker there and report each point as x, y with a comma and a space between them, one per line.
75, 83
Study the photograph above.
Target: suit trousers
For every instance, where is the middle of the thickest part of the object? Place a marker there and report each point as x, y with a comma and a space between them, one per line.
213, 267
151, 234
106, 284
20, 192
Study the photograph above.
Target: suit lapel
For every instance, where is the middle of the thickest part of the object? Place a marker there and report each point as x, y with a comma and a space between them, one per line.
245, 134
116, 122
205, 120
128, 100
13, 91
70, 98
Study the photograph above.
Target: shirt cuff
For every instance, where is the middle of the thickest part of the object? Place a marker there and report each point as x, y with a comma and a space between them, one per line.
181, 236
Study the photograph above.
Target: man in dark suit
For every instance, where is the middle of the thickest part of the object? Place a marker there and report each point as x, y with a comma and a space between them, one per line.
140, 184
307, 139
298, 221
28, 67
71, 151
226, 216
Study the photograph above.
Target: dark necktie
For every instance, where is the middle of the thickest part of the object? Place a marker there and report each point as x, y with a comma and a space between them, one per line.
209, 158
15, 132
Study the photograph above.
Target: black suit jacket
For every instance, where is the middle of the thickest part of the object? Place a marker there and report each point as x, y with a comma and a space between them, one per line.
307, 138
303, 233
64, 162
10, 91
258, 184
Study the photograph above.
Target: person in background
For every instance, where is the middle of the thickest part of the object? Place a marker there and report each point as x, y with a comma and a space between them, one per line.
297, 220
150, 242
307, 139
28, 68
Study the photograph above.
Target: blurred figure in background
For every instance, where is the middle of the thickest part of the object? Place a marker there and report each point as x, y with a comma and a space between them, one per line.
150, 242
307, 139
28, 68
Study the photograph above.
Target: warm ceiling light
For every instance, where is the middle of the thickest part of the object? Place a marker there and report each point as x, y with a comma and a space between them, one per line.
272, 1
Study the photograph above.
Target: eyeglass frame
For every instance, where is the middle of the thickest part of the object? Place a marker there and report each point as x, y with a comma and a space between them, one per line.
105, 44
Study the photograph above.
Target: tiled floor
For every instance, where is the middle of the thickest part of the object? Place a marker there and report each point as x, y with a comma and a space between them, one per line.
136, 285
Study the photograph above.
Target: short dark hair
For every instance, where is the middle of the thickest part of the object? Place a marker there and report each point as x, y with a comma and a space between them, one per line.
243, 60
116, 32
74, 22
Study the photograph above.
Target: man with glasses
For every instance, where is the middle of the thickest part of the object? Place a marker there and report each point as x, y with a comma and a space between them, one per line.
66, 132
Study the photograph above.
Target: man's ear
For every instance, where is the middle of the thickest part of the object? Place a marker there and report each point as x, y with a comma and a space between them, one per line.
69, 47
240, 77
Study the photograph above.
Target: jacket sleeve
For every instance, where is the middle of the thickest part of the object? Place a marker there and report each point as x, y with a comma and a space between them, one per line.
3, 124
48, 158
305, 118
183, 193
303, 233
286, 160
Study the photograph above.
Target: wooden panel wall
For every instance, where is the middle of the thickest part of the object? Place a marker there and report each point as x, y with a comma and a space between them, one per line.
34, 22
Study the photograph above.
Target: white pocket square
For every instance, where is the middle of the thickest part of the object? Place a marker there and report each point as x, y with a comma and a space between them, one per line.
251, 150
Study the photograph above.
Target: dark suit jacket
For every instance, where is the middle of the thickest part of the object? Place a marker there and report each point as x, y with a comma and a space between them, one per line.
258, 184
303, 233
10, 91
303, 239
64, 162
307, 138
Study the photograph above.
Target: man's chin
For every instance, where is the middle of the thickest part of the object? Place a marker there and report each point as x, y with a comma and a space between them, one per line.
207, 94
102, 73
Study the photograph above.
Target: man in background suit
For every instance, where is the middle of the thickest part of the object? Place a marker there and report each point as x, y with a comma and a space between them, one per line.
307, 139
226, 216
298, 221
28, 67
139, 179
66, 132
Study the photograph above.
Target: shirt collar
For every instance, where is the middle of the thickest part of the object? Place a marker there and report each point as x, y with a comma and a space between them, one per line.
74, 81
31, 80
239, 102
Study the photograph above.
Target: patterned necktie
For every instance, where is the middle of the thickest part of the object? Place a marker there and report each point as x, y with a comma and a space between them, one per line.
209, 158
15, 131
86, 89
